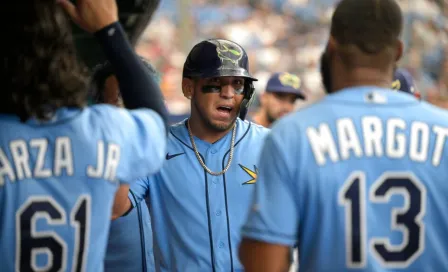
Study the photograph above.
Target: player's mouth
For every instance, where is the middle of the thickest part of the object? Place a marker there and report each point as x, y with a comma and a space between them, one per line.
224, 111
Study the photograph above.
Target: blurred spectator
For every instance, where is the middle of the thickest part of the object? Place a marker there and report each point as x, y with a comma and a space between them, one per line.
280, 95
289, 35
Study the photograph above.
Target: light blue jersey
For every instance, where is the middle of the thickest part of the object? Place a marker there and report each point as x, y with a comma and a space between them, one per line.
197, 217
360, 181
58, 181
130, 242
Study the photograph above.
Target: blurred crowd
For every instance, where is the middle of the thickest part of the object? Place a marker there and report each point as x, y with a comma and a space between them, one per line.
287, 35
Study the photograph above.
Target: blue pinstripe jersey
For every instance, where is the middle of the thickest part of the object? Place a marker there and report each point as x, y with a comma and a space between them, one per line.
58, 181
197, 217
359, 179
130, 242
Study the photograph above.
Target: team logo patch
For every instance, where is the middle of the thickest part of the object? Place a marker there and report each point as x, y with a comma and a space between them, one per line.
396, 85
229, 52
376, 98
287, 79
252, 173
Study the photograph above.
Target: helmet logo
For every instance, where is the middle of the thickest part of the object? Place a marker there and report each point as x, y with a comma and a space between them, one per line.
229, 52
287, 79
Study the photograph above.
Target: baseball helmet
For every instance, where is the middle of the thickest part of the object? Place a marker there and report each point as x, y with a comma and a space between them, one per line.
104, 70
134, 16
220, 58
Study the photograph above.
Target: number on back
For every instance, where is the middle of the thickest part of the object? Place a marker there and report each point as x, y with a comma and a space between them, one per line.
30, 242
406, 219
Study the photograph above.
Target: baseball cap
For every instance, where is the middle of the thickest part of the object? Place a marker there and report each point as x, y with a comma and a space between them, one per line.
285, 83
404, 82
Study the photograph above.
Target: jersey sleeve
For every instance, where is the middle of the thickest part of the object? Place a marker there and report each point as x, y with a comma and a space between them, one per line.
138, 190
273, 217
141, 139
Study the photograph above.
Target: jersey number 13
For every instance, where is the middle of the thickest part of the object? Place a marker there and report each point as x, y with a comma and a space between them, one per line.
407, 219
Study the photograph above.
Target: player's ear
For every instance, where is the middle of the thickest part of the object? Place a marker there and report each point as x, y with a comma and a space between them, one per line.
400, 47
187, 87
331, 45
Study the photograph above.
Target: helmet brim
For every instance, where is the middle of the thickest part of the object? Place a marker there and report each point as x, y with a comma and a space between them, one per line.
227, 72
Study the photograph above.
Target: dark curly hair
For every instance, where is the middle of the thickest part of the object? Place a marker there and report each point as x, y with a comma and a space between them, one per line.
371, 25
40, 71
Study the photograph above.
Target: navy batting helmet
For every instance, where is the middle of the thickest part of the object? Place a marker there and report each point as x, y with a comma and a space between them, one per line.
220, 58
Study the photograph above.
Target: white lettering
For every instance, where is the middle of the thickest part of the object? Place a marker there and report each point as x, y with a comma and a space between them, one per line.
393, 138
395, 142
39, 171
98, 171
441, 134
418, 146
5, 168
32, 159
321, 143
19, 152
348, 139
113, 158
372, 133
63, 156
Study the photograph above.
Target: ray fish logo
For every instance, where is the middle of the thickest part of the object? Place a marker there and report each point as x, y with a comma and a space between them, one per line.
229, 52
287, 79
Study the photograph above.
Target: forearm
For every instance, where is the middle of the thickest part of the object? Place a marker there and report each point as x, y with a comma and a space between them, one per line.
122, 204
137, 87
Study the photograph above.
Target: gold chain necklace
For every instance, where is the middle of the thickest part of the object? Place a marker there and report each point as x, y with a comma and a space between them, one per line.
232, 148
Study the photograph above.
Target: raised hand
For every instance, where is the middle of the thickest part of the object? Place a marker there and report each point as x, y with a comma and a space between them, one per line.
91, 15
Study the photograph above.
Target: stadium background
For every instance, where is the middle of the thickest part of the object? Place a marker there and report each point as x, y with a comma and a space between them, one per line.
286, 35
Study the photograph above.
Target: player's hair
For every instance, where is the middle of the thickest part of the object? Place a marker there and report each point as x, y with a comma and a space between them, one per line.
103, 71
370, 26
40, 72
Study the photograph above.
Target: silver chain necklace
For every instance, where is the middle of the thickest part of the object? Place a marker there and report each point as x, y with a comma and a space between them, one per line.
232, 148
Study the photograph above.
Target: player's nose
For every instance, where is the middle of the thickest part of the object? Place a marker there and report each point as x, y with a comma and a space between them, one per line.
227, 91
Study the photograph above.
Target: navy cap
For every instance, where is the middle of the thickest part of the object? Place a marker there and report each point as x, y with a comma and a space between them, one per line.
285, 83
403, 81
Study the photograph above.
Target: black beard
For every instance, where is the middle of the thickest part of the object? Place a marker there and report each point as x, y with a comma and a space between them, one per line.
271, 119
209, 123
325, 72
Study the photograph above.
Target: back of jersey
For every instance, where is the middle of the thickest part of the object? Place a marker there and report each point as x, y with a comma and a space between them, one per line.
58, 181
372, 183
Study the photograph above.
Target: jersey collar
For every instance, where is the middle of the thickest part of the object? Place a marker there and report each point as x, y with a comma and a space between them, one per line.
180, 131
61, 115
373, 95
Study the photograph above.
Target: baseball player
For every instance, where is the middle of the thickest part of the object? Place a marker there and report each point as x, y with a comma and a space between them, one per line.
358, 179
60, 163
130, 238
200, 198
402, 82
281, 93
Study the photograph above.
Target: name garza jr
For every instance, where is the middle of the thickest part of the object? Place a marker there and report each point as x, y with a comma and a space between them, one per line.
20, 166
